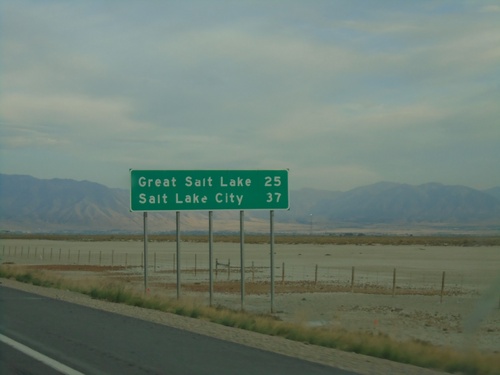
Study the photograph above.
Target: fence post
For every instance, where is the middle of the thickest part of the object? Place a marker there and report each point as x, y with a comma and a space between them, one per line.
154, 261
69, 252
89, 257
195, 261
228, 269
253, 272
352, 280
442, 286
316, 275
126, 260
113, 258
216, 266
394, 282
283, 273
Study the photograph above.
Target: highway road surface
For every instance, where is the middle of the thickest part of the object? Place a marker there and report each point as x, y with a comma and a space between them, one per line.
40, 335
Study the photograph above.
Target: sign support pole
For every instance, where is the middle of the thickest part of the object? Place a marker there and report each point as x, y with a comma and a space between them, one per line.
145, 217
210, 255
271, 224
178, 251
242, 258
208, 190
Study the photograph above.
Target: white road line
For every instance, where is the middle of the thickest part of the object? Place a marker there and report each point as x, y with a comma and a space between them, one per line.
40, 357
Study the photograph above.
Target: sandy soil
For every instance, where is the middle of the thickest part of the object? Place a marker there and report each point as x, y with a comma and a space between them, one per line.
314, 285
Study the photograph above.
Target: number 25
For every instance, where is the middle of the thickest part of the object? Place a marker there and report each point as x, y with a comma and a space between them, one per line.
273, 182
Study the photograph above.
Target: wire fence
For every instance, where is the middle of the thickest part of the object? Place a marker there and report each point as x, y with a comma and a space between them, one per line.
195, 269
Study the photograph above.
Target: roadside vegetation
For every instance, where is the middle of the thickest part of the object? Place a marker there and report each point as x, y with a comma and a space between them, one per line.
337, 239
417, 353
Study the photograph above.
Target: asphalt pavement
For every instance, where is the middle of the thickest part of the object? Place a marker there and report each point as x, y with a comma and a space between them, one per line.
95, 342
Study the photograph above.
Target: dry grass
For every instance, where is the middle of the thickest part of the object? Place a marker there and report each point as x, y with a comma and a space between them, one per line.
461, 240
251, 288
378, 345
263, 288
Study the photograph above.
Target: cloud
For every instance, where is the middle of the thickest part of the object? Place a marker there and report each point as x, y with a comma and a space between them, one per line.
325, 89
72, 113
492, 8
13, 138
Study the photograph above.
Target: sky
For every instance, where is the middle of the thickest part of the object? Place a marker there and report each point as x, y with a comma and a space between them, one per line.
341, 93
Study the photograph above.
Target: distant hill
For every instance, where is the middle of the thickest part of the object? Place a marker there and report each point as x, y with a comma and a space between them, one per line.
395, 203
61, 205
27, 203
494, 192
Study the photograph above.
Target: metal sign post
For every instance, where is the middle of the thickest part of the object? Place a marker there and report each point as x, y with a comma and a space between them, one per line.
210, 255
207, 190
271, 240
242, 258
145, 218
178, 251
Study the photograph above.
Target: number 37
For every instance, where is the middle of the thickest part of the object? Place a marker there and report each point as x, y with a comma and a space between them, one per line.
273, 197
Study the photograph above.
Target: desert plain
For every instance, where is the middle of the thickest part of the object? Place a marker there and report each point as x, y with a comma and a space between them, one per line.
447, 295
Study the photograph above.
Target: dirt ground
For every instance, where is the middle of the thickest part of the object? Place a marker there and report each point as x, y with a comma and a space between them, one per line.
446, 295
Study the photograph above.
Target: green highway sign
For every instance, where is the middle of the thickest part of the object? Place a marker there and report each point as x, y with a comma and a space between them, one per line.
181, 190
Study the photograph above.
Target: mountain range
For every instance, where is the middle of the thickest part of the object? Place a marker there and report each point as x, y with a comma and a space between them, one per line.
29, 204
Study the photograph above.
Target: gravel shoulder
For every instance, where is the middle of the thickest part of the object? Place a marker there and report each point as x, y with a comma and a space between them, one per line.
348, 361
